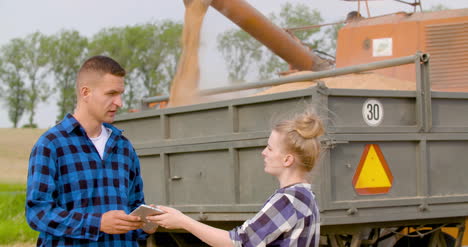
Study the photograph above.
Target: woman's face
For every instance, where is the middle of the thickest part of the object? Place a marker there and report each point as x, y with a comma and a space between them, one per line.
273, 155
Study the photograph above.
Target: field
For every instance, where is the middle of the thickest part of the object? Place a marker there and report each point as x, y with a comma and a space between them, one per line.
15, 146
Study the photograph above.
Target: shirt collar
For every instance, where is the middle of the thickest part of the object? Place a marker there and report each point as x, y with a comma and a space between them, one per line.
69, 123
305, 185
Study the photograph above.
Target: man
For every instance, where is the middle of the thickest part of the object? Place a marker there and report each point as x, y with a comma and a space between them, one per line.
84, 175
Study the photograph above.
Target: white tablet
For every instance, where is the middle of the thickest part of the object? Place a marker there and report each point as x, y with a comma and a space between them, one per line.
145, 210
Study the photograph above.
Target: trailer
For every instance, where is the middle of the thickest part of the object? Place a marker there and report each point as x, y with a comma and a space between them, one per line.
392, 173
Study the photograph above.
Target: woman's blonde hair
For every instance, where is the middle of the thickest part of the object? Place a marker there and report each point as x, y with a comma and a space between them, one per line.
301, 137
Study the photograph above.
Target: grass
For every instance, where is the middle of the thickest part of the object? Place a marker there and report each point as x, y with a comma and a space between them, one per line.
15, 146
13, 226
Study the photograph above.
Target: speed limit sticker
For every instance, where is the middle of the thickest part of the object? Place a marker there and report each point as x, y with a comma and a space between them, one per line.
373, 112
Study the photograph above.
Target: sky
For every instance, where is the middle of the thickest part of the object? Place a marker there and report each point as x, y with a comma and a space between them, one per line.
18, 18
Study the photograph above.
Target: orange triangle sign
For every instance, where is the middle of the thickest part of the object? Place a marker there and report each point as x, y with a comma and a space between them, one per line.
372, 174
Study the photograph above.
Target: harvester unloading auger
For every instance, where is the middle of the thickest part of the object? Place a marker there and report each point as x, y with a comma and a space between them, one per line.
185, 84
361, 41
275, 38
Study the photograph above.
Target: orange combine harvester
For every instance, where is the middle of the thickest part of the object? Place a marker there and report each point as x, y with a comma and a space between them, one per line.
441, 34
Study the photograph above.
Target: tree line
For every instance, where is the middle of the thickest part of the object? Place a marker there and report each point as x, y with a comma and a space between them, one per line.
38, 66
35, 67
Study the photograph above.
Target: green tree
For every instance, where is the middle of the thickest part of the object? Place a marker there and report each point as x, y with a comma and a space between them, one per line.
243, 54
148, 52
240, 51
2, 90
298, 15
66, 50
328, 42
34, 59
290, 15
158, 62
13, 89
115, 42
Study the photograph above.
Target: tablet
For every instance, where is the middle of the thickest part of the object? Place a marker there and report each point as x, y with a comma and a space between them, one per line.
145, 210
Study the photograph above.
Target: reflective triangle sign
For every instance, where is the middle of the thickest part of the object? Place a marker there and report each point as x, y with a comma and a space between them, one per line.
372, 175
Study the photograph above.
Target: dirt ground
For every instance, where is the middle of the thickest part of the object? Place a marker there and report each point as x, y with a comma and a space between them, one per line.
15, 146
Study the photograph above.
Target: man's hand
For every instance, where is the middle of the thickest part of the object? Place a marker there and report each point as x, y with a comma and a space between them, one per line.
118, 222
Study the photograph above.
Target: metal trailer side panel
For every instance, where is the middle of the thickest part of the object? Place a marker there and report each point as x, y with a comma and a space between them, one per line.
215, 166
205, 159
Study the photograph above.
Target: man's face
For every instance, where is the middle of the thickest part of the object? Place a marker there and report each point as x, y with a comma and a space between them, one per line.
105, 98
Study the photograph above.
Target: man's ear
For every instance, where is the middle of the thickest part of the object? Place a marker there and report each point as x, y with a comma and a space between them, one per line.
85, 92
288, 160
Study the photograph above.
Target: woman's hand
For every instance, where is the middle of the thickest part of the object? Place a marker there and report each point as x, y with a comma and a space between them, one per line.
152, 230
171, 219
174, 219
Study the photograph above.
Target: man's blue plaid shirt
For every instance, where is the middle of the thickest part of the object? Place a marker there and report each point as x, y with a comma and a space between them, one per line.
70, 186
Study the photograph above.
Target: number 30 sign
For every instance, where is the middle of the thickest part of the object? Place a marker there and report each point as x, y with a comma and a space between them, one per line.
372, 112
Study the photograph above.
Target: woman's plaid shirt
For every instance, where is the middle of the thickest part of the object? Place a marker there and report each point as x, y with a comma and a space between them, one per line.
70, 186
290, 217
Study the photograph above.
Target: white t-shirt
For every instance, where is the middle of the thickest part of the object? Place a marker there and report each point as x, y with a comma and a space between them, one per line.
100, 141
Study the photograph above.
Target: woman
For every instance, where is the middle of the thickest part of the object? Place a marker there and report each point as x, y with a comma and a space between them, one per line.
290, 217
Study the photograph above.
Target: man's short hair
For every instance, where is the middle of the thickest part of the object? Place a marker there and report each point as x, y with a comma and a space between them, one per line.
97, 65
102, 65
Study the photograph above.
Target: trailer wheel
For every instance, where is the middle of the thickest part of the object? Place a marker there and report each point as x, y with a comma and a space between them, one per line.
407, 241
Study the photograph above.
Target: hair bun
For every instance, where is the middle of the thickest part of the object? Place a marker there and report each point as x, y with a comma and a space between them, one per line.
308, 125
301, 134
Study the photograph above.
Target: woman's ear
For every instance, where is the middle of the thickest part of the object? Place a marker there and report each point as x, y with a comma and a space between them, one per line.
288, 160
